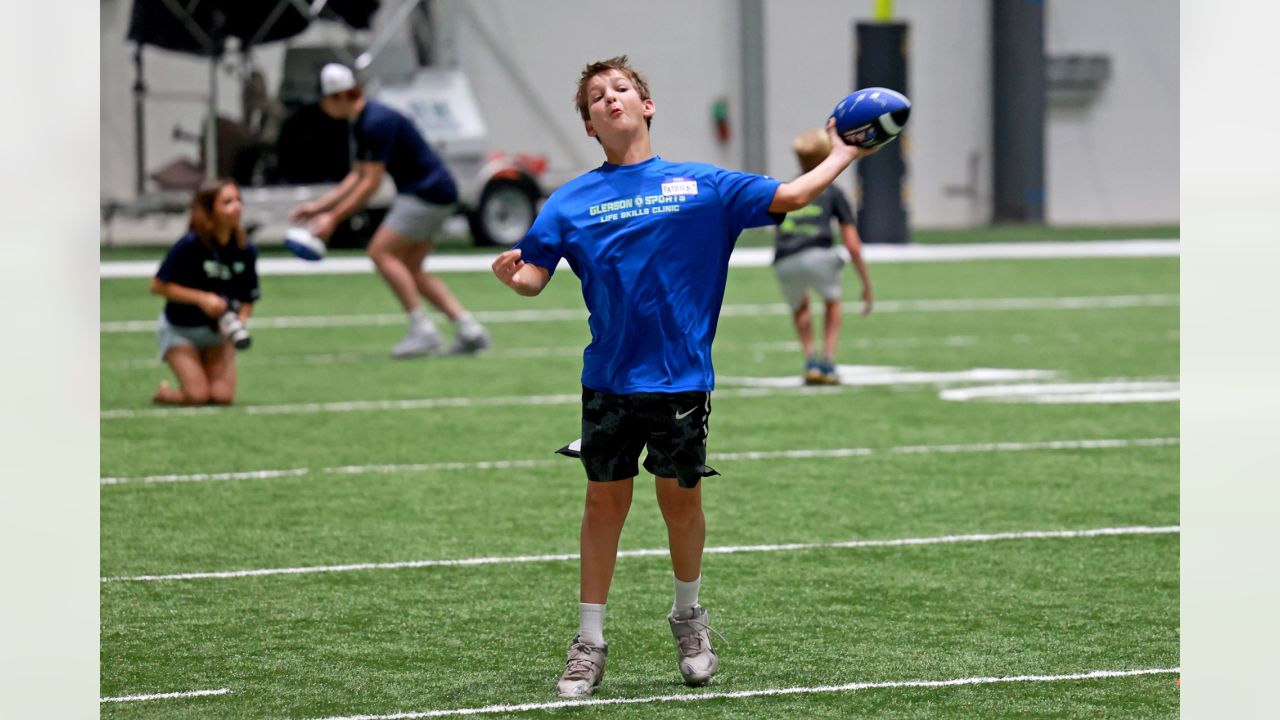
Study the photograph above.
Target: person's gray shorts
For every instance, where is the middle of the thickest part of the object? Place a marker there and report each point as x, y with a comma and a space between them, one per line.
810, 269
169, 335
416, 219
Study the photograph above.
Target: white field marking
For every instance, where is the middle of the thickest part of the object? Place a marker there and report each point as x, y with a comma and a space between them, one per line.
349, 406
495, 317
1069, 393
353, 358
661, 552
423, 404
773, 346
1099, 444
433, 467
741, 257
754, 388
768, 692
288, 322
206, 477
875, 375
164, 696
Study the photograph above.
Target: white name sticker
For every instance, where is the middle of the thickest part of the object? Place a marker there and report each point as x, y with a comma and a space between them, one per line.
680, 187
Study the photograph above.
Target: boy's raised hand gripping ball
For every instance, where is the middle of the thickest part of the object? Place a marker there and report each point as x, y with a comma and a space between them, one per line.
872, 116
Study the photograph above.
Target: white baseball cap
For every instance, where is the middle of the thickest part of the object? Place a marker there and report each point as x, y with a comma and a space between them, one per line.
336, 78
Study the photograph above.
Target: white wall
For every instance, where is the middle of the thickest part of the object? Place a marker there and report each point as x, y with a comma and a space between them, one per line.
1115, 160
687, 51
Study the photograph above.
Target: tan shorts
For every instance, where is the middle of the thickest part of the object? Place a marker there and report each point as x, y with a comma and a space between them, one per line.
815, 269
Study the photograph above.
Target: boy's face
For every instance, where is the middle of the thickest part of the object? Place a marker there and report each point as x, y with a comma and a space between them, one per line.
337, 106
615, 107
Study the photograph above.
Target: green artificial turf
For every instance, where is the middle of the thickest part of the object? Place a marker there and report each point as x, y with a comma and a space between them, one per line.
385, 484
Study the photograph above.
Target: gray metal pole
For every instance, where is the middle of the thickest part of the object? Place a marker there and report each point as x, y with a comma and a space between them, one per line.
445, 31
754, 140
211, 130
1019, 110
139, 124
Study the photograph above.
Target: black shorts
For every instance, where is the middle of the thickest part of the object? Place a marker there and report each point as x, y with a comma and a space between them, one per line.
615, 428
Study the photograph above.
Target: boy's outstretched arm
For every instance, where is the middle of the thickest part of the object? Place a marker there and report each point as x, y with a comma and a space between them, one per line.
853, 243
525, 279
802, 191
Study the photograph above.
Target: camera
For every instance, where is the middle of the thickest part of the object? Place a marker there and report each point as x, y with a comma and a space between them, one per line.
232, 328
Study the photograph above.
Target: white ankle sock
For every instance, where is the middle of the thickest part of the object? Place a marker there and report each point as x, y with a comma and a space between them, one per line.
467, 325
686, 597
591, 623
419, 318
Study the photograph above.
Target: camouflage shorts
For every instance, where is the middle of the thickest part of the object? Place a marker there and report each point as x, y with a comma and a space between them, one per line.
615, 428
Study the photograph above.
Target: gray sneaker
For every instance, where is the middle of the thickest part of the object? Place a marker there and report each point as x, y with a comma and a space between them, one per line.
698, 660
471, 342
417, 342
583, 670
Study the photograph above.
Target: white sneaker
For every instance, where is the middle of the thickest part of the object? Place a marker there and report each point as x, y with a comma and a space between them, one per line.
583, 670
698, 660
419, 341
471, 341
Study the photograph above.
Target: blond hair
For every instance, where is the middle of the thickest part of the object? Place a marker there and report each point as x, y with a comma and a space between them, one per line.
619, 63
811, 147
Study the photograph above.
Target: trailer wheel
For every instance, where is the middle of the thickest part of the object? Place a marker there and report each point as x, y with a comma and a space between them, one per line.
505, 212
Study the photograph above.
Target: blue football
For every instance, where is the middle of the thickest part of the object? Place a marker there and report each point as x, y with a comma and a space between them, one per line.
871, 116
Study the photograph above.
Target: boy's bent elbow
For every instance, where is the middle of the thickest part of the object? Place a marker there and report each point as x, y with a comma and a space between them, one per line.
530, 290
534, 278
786, 199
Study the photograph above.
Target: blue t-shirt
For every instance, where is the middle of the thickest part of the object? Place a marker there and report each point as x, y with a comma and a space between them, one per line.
650, 243
227, 270
385, 136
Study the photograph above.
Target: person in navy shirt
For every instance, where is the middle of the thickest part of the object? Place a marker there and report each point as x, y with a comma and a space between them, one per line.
211, 271
649, 240
389, 143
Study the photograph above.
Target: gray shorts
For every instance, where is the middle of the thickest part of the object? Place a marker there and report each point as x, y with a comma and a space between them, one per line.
169, 336
416, 219
810, 269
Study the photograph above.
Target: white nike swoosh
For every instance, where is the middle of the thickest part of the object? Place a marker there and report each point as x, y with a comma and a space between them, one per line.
685, 414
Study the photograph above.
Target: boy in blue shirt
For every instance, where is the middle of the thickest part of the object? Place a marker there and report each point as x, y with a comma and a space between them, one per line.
649, 239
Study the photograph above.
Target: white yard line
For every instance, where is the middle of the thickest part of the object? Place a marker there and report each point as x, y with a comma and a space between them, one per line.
164, 696
347, 406
657, 552
767, 692
877, 376
208, 477
1098, 444
423, 404
495, 317
853, 377
575, 350
741, 257
1070, 393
